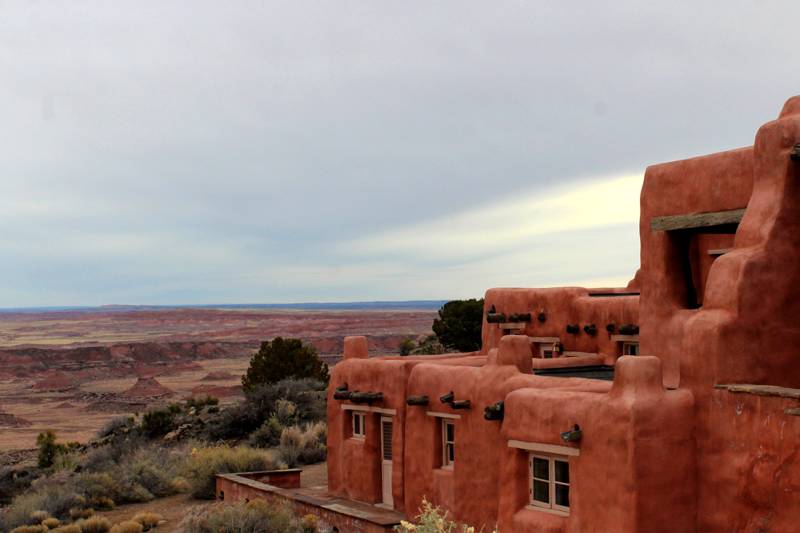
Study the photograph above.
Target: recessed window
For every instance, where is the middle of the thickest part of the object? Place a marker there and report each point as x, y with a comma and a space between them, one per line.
546, 351
549, 488
359, 425
448, 443
630, 348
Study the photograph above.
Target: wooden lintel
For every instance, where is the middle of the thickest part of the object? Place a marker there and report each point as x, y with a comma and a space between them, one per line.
513, 325
719, 251
697, 220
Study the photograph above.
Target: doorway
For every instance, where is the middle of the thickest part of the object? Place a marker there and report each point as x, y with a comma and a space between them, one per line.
386, 461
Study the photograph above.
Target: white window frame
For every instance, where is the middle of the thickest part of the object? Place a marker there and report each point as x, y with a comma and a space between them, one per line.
448, 445
550, 506
544, 347
359, 419
627, 345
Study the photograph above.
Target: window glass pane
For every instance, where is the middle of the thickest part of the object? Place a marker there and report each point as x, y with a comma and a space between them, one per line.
562, 495
562, 471
541, 491
451, 432
451, 452
541, 468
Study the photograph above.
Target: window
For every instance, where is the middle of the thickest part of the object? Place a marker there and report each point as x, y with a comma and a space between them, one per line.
546, 351
550, 482
359, 425
448, 443
630, 348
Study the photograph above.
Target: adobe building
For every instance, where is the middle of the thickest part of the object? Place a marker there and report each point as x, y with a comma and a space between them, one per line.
668, 405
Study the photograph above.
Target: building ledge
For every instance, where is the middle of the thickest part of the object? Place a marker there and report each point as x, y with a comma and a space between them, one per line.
761, 390
319, 497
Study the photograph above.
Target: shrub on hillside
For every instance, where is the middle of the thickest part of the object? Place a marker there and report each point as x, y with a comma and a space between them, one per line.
95, 524
257, 516
159, 422
303, 445
38, 528
128, 526
200, 402
55, 499
69, 528
48, 448
304, 398
148, 520
281, 359
205, 463
268, 435
116, 426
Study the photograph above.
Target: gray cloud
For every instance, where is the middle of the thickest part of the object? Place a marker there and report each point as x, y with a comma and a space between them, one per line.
162, 152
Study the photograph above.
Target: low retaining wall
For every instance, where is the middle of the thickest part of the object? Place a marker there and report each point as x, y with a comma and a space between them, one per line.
334, 514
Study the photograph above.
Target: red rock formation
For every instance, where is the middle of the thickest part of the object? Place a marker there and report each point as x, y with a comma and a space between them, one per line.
147, 388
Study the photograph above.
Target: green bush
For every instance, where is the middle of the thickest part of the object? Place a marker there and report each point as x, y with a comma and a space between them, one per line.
268, 435
257, 516
205, 463
158, 422
48, 448
307, 396
281, 359
459, 325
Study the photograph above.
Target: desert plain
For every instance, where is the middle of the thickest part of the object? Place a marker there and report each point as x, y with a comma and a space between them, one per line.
71, 371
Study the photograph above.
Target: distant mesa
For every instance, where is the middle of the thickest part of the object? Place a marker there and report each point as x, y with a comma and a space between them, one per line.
11, 421
147, 387
66, 405
57, 381
218, 375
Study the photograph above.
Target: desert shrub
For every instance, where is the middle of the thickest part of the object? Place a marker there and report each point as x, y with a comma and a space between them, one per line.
66, 461
48, 448
205, 463
69, 528
158, 422
203, 401
117, 425
51, 523
107, 457
433, 519
257, 516
37, 517
38, 528
261, 402
148, 520
303, 445
77, 513
54, 498
268, 435
13, 481
180, 484
281, 359
95, 524
101, 502
128, 526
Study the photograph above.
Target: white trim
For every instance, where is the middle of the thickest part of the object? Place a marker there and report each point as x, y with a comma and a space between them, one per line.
557, 512
362, 418
381, 410
443, 415
544, 340
513, 325
349, 407
624, 338
544, 448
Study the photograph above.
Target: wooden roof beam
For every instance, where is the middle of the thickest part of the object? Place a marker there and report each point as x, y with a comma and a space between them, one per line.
697, 221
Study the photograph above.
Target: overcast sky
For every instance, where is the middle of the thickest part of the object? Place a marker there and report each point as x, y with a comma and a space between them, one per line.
236, 152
